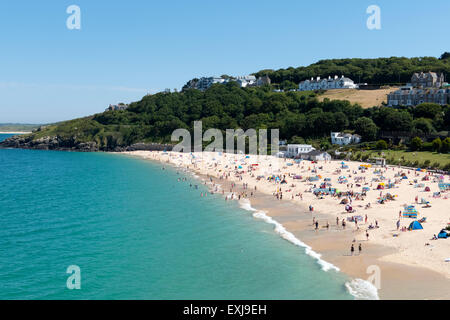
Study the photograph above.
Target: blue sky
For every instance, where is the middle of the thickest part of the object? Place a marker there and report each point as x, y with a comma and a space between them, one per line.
128, 48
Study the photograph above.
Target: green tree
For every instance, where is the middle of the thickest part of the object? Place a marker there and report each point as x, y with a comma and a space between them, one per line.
445, 145
381, 145
437, 144
423, 126
427, 110
366, 128
416, 144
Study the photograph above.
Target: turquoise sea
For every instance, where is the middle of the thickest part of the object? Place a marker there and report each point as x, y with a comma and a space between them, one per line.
137, 233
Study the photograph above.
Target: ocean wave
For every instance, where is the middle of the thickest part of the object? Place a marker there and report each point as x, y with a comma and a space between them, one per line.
326, 266
358, 288
362, 289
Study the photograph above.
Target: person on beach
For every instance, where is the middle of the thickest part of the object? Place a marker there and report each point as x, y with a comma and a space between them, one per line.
367, 235
398, 224
352, 249
317, 225
360, 248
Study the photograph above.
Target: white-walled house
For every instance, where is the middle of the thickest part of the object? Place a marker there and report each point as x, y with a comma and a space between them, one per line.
344, 138
294, 150
327, 84
316, 155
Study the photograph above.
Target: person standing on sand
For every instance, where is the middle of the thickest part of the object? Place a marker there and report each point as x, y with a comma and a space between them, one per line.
352, 249
317, 225
360, 248
398, 224
367, 235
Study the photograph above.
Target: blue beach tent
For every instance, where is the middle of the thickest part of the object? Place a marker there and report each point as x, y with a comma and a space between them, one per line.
415, 225
443, 234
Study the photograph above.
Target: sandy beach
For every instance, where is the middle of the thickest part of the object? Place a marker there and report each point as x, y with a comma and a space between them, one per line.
408, 264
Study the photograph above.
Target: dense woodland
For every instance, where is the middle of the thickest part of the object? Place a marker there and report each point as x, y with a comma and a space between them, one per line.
380, 71
298, 115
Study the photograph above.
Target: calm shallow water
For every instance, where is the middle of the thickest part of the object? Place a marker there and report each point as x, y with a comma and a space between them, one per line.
138, 233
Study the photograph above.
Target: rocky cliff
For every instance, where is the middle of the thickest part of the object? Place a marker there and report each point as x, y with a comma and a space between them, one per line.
71, 144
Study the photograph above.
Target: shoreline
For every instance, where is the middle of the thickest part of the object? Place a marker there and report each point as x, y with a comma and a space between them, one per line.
400, 278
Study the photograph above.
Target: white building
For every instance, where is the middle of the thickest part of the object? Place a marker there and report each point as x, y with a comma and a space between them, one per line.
344, 138
245, 81
316, 155
206, 82
327, 84
293, 150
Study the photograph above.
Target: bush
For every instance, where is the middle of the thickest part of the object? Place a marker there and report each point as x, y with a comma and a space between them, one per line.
436, 145
426, 163
427, 146
436, 165
416, 144
381, 145
445, 145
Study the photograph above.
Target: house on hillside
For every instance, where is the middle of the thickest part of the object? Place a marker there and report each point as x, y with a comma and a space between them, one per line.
117, 107
327, 84
293, 150
315, 155
264, 80
243, 81
427, 80
246, 81
343, 139
409, 96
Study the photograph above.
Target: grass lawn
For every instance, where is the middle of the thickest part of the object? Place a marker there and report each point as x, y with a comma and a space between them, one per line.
420, 156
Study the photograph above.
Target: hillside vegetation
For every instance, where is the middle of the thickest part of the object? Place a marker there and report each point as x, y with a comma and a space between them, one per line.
298, 116
380, 71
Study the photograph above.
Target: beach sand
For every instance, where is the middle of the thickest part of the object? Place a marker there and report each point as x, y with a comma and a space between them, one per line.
410, 265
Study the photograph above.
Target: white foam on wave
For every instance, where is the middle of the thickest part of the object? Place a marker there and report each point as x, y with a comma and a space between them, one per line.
362, 289
358, 288
281, 230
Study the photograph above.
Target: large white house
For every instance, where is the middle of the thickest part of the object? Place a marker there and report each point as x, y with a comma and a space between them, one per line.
245, 81
293, 150
344, 138
327, 84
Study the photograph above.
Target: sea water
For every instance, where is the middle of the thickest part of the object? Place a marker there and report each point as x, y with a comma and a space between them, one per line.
136, 232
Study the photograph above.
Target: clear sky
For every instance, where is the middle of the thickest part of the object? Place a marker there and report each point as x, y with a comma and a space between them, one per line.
128, 48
